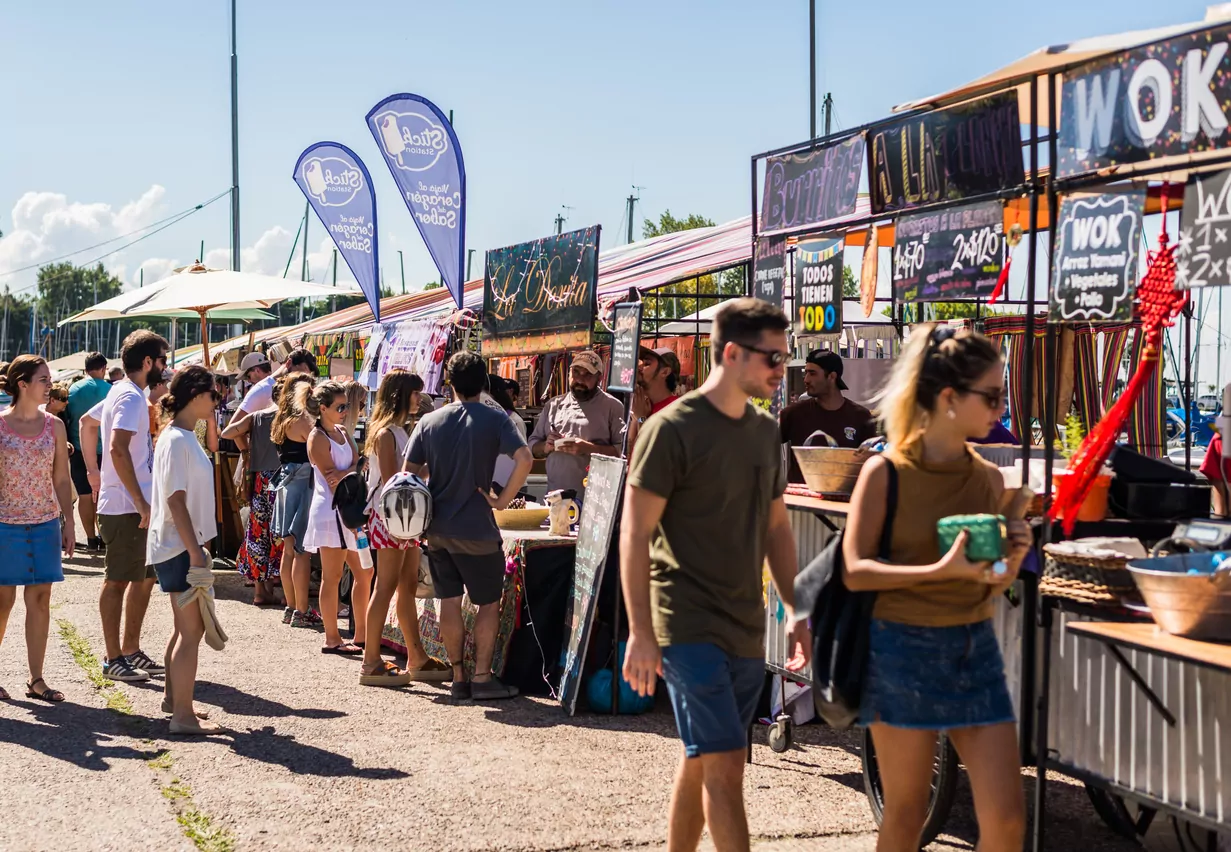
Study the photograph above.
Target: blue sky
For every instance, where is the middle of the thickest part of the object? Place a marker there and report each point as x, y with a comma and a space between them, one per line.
118, 113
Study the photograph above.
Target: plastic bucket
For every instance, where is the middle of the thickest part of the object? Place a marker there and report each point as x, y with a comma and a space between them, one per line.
1095, 506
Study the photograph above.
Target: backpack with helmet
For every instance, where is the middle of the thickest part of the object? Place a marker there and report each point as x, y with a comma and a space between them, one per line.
405, 506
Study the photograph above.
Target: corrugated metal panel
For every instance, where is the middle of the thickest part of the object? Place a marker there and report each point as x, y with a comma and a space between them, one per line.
1101, 722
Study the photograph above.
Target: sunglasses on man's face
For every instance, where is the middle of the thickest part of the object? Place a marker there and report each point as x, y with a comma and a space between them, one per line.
773, 357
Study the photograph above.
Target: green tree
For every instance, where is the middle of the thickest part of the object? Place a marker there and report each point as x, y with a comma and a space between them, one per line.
850, 284
432, 285
668, 224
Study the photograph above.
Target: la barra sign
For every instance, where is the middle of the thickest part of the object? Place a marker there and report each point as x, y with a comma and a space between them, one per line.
965, 151
1165, 99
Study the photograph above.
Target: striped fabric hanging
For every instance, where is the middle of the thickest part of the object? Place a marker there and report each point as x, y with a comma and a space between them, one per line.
1086, 397
1145, 424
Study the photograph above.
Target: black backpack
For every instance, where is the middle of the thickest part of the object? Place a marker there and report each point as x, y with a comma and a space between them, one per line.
350, 498
840, 623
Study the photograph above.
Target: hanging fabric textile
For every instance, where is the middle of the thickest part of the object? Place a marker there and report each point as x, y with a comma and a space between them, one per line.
1158, 303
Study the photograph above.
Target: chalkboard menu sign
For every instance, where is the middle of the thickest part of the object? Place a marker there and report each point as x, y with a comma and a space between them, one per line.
598, 514
814, 187
1203, 253
769, 269
625, 347
945, 155
1170, 98
1095, 262
539, 296
818, 286
951, 254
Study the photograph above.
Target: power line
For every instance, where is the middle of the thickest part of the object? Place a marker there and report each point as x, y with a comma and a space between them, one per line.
169, 221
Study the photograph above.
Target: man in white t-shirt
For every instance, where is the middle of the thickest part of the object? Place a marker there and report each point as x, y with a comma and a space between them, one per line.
124, 506
255, 367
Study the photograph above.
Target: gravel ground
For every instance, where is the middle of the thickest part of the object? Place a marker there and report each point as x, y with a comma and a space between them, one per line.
314, 761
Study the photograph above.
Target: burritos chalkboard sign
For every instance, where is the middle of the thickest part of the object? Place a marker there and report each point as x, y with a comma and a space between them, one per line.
812, 187
950, 254
1095, 262
625, 347
598, 514
539, 296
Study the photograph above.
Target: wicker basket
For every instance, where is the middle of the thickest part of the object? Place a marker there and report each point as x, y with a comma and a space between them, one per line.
521, 519
829, 470
1087, 579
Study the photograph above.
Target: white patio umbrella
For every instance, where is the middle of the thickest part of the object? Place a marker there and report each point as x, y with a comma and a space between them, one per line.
205, 293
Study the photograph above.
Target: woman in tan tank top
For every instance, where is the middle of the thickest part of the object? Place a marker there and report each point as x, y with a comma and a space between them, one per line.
933, 661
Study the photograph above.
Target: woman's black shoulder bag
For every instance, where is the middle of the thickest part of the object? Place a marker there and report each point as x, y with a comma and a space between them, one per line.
840, 623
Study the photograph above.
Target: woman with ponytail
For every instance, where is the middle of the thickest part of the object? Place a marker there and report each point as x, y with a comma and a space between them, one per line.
36, 509
934, 664
182, 521
292, 492
333, 455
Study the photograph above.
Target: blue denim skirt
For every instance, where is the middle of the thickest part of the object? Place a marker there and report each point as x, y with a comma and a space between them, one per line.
292, 487
934, 678
31, 554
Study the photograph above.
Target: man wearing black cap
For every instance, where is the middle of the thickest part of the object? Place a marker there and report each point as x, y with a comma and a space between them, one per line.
824, 409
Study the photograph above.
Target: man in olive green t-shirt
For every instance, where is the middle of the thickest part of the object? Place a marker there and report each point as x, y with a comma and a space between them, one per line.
702, 512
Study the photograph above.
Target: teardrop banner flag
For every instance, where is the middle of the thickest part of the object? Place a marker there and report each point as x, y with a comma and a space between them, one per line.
339, 188
420, 147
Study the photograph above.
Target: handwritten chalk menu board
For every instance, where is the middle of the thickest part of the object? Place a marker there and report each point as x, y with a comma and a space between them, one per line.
818, 286
625, 347
539, 296
1203, 252
598, 513
1095, 262
813, 187
948, 154
769, 269
951, 254
1170, 98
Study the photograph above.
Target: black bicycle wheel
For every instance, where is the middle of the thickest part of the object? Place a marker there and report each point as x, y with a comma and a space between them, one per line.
1130, 821
944, 786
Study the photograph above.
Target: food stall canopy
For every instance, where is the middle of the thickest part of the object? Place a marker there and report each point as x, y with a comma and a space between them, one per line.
76, 363
1046, 59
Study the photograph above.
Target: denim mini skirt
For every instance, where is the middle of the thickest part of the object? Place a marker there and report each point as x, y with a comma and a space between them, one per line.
292, 487
31, 554
934, 678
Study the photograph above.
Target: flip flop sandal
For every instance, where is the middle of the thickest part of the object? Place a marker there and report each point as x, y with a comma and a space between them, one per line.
346, 649
200, 714
196, 730
433, 671
386, 674
51, 696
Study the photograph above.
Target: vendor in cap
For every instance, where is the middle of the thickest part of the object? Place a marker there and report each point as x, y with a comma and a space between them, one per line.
256, 370
658, 378
576, 425
824, 409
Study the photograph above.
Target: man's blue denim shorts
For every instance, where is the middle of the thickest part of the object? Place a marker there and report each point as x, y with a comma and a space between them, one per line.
714, 695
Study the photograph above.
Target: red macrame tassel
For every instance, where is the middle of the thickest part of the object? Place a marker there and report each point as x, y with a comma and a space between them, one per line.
1001, 280
1158, 304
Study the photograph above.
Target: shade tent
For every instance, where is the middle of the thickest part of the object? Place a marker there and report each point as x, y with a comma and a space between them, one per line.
76, 362
1040, 63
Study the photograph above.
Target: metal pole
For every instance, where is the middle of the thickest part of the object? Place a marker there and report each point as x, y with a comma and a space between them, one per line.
1188, 387
631, 201
303, 268
1219, 326
469, 258
828, 110
333, 300
811, 69
234, 146
201, 254
401, 267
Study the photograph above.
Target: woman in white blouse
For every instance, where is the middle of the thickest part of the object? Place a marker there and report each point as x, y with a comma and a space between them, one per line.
182, 521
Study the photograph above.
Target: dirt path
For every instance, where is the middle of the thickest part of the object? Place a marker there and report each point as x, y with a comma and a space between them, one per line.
316, 762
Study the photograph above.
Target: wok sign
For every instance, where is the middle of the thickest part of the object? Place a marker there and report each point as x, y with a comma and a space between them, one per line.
1096, 257
1165, 99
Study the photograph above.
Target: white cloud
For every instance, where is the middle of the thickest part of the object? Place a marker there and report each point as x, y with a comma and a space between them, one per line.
48, 225
268, 256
